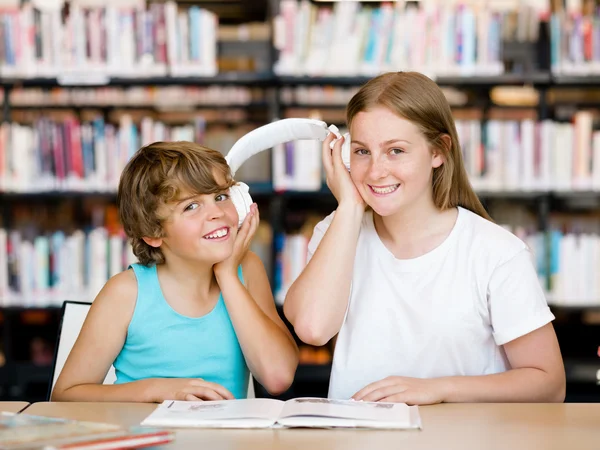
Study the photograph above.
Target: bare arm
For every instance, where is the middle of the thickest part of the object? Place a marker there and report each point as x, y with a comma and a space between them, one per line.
100, 341
317, 301
537, 371
269, 348
537, 374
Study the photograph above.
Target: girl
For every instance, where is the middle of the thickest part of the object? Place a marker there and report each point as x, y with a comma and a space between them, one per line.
431, 301
196, 314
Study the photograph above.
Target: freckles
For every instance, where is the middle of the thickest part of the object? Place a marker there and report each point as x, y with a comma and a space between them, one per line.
357, 173
410, 168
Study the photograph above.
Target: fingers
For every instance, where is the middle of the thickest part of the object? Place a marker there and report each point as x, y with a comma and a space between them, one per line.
215, 388
186, 396
383, 392
205, 393
360, 395
337, 153
404, 397
255, 220
326, 153
243, 230
368, 389
248, 229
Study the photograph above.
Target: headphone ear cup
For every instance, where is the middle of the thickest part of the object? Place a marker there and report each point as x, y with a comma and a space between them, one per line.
240, 196
346, 151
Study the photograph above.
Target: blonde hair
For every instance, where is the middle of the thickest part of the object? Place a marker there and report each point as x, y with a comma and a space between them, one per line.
418, 99
157, 175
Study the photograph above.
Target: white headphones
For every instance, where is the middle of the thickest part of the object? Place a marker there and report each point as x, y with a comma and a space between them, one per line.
268, 136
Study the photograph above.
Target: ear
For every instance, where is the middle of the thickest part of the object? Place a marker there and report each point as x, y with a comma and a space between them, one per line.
153, 241
437, 156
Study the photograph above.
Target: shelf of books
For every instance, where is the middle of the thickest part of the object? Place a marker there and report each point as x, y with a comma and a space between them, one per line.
84, 84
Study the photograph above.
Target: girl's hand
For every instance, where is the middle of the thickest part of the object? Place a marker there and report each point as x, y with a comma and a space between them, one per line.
412, 391
338, 177
188, 389
241, 244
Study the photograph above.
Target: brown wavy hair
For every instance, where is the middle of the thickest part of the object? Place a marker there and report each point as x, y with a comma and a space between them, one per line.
156, 176
418, 99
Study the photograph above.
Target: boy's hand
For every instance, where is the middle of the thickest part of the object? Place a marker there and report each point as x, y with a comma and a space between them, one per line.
241, 244
188, 389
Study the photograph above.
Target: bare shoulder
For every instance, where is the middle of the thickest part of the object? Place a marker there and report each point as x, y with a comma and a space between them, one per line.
118, 296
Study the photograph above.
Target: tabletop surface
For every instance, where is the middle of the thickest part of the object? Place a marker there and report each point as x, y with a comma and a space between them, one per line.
13, 407
447, 426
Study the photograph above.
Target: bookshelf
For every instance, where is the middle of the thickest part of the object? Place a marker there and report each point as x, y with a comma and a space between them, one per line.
286, 211
222, 79
537, 79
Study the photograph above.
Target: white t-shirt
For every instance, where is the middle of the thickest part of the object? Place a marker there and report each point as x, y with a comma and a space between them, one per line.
445, 313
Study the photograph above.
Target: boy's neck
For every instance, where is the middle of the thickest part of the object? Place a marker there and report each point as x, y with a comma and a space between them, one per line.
193, 281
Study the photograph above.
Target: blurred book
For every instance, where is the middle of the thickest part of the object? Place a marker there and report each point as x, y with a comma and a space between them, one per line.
20, 431
88, 43
356, 39
574, 39
66, 154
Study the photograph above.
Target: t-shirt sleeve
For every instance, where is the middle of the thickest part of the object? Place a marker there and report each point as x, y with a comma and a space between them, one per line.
516, 300
318, 233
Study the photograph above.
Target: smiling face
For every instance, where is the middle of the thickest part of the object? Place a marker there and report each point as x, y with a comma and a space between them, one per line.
391, 162
198, 228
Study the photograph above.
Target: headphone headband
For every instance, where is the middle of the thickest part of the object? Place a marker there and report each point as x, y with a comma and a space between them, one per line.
272, 134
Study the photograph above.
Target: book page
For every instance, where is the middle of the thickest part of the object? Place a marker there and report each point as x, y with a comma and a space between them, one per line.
331, 412
244, 413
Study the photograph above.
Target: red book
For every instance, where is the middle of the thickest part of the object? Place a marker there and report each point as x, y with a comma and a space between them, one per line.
133, 438
20, 431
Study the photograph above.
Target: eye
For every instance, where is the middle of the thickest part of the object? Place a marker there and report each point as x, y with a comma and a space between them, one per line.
191, 206
222, 197
396, 151
361, 151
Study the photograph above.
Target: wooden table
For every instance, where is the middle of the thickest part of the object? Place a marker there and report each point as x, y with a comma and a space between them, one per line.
13, 407
447, 426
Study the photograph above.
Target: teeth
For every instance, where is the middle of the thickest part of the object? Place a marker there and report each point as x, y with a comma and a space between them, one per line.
385, 190
217, 234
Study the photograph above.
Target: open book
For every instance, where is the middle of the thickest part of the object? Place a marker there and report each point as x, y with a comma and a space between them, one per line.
24, 431
298, 412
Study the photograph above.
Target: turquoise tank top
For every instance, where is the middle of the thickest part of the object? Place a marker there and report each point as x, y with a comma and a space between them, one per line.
162, 343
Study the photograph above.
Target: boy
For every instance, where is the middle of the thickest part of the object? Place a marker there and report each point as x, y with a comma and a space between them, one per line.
196, 314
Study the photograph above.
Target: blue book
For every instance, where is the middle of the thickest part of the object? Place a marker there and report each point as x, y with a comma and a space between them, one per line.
279, 243
373, 36
555, 240
57, 242
194, 13
8, 41
289, 158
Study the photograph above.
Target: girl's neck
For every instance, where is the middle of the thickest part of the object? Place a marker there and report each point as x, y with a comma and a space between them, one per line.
410, 223
415, 230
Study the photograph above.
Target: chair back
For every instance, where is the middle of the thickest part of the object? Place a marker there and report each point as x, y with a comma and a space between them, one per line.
73, 315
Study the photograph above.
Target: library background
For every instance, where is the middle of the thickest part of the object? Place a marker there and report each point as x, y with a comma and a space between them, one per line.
85, 83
